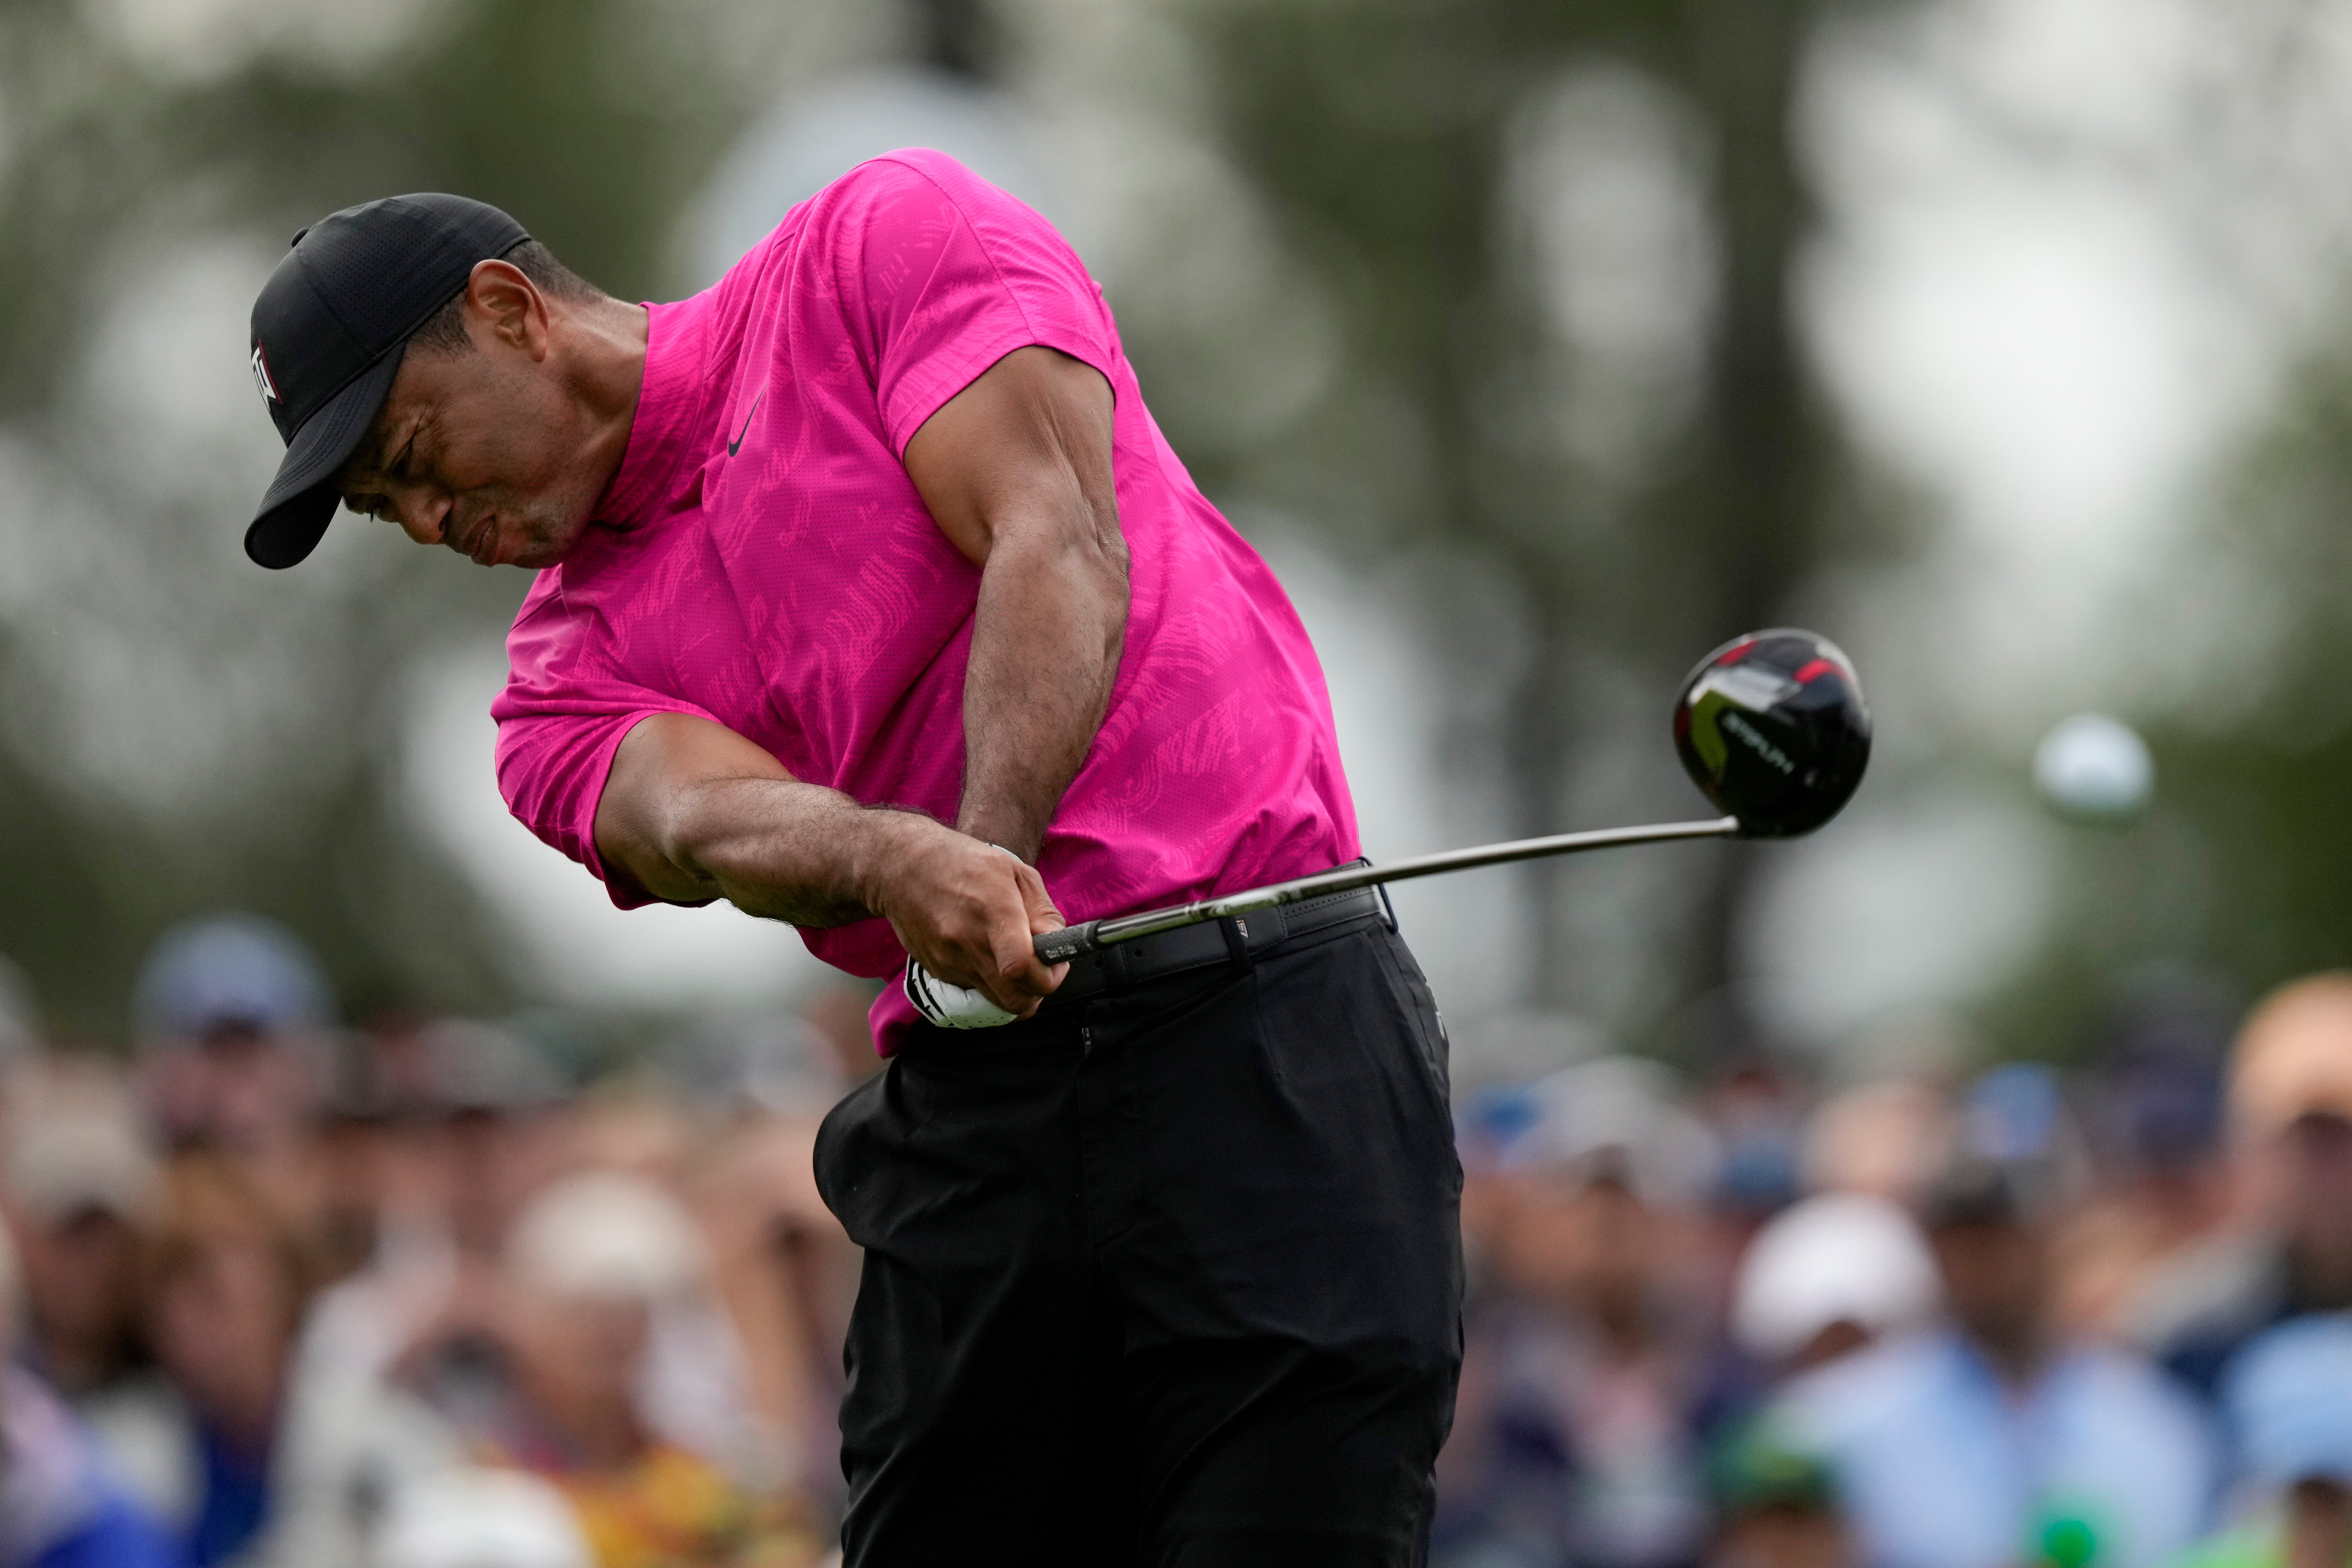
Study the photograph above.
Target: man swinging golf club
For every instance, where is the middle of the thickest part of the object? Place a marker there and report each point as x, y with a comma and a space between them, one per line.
871, 598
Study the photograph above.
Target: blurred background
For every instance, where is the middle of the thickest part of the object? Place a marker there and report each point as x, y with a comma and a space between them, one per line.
1541, 345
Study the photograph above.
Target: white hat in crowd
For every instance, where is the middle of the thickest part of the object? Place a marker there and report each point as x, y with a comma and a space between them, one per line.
73, 1159
1842, 1257
480, 1518
605, 1233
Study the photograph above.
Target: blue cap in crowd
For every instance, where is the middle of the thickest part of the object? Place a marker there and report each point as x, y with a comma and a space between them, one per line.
2288, 1396
229, 971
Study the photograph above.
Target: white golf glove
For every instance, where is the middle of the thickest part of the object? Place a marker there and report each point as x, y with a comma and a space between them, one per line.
951, 1007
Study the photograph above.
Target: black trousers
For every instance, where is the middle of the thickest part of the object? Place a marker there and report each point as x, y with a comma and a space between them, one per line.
1167, 1278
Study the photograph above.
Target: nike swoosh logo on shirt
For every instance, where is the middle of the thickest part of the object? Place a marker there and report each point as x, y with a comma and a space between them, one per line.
737, 445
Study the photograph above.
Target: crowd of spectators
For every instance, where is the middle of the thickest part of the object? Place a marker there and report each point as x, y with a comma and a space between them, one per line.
1931, 1319
435, 1293
277, 1293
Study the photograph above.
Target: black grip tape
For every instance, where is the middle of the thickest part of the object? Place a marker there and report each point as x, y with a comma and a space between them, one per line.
1061, 946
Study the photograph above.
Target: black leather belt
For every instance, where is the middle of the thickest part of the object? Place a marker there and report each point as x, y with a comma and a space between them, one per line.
1123, 966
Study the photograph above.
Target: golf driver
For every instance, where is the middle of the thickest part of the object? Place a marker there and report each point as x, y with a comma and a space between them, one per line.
1770, 726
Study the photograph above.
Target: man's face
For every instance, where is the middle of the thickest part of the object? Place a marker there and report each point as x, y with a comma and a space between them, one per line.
2313, 1168
2317, 1150
1994, 1273
478, 448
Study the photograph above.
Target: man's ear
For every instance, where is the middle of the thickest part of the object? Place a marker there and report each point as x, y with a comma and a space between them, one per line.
505, 308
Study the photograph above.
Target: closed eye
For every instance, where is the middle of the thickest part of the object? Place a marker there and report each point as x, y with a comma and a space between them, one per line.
399, 469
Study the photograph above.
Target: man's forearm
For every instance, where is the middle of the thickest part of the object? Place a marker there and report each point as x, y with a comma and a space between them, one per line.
779, 849
692, 811
1046, 648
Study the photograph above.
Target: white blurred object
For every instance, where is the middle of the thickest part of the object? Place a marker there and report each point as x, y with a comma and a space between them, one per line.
604, 1234
76, 1159
1841, 1257
480, 1518
2096, 767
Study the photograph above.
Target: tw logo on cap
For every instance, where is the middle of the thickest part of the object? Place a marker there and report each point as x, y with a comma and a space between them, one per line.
262, 377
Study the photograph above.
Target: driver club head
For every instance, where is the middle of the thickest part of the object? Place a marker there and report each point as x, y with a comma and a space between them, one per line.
1772, 728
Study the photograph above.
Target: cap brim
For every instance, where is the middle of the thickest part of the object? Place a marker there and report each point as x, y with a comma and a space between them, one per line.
301, 500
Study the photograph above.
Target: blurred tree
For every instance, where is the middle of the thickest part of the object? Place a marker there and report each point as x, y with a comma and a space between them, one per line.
1642, 457
1398, 137
124, 154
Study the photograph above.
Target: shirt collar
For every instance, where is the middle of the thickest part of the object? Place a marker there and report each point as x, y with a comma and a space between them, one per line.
662, 452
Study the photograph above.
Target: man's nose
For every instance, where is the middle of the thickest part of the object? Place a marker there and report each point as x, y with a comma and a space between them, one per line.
424, 516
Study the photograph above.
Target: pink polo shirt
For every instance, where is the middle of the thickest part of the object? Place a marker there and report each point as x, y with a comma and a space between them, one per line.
761, 559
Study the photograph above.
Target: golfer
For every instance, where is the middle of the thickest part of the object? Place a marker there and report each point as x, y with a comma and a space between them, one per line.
870, 599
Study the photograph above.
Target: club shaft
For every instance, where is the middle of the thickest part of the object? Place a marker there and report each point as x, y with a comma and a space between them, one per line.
1057, 946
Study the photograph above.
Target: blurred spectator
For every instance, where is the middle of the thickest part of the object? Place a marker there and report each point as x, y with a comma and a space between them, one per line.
1576, 1438
1829, 1276
2288, 1396
448, 1127
481, 1519
593, 1260
229, 1008
2291, 1115
354, 1149
1776, 1503
780, 1260
2157, 1104
1979, 1443
225, 1279
1753, 1108
61, 1505
503, 1127
1887, 1137
82, 1191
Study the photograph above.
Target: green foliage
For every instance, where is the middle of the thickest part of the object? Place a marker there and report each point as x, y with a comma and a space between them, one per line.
1382, 131
546, 106
1383, 128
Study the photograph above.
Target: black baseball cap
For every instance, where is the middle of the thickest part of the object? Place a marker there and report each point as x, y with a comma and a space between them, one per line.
328, 330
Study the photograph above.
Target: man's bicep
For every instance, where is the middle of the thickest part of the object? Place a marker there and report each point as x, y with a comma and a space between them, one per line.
657, 768
1028, 443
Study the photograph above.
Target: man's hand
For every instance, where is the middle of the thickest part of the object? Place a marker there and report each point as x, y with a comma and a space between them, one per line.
969, 912
693, 811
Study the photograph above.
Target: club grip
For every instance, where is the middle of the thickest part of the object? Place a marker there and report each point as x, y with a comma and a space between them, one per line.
1061, 946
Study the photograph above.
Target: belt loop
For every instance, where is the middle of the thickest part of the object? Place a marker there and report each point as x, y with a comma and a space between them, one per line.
1388, 909
1236, 933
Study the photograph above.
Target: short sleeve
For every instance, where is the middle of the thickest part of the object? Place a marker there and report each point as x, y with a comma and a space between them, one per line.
557, 737
939, 274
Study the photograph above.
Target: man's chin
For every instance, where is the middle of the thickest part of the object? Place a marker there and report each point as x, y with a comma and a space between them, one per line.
543, 549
